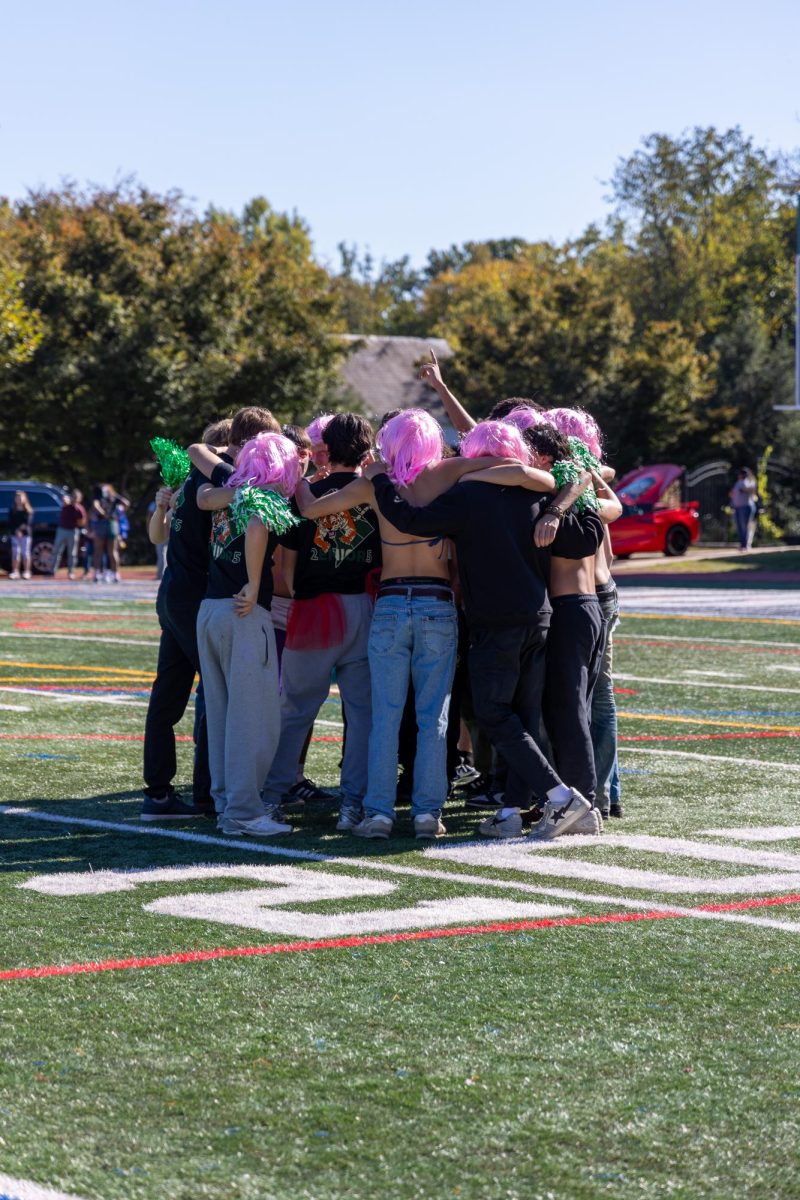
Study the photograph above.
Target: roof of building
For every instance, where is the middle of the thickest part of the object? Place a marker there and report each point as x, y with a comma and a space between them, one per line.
384, 373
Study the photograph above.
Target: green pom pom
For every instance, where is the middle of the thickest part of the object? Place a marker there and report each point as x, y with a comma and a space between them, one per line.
582, 454
567, 470
270, 508
173, 460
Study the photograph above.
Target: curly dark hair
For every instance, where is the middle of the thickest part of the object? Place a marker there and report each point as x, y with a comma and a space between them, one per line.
348, 438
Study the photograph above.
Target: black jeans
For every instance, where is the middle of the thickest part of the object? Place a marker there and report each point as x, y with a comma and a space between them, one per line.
574, 654
506, 668
178, 661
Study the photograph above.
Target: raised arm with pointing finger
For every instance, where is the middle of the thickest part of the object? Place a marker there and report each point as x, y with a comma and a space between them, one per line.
431, 374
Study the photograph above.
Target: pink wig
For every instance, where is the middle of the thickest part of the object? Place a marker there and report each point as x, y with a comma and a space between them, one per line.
315, 430
574, 422
496, 438
525, 418
409, 443
269, 460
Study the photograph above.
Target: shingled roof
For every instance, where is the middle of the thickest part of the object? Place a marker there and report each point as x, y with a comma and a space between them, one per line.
383, 372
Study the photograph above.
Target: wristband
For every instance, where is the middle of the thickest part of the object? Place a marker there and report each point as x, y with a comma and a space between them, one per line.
553, 510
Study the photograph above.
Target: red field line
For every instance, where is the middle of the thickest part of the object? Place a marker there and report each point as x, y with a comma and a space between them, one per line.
379, 939
41, 627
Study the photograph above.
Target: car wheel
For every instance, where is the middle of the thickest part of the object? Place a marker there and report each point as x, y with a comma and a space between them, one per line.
42, 557
677, 541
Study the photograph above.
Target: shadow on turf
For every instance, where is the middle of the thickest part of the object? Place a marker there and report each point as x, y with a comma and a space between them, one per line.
40, 847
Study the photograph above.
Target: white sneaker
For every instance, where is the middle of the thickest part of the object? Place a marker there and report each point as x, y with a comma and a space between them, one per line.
588, 823
26, 574
256, 827
349, 816
14, 575
558, 820
373, 827
428, 825
501, 827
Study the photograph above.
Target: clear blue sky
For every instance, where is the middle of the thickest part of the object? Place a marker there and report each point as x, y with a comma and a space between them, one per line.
398, 125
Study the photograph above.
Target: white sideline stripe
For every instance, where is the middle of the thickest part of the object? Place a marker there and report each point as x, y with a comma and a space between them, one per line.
592, 898
721, 758
723, 641
77, 637
756, 833
701, 683
71, 698
15, 707
331, 724
23, 1189
782, 667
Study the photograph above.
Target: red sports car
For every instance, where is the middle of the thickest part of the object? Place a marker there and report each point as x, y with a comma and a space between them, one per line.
654, 515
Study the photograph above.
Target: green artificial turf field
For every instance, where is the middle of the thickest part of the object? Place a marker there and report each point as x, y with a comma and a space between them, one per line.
616, 1017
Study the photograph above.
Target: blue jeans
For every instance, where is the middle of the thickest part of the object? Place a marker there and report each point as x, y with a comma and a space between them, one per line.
604, 710
744, 514
410, 638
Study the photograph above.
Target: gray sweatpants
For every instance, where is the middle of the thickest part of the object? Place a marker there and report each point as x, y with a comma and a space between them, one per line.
239, 667
305, 683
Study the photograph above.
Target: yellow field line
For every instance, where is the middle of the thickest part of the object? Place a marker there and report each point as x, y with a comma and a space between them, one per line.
701, 721
694, 617
43, 666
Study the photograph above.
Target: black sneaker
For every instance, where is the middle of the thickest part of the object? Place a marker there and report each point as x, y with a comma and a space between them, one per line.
478, 794
168, 808
464, 773
205, 806
616, 810
305, 791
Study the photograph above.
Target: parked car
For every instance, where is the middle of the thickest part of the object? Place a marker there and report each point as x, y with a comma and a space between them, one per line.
45, 500
655, 516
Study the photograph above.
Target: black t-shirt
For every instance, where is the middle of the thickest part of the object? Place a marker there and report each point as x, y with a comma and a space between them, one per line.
503, 574
227, 569
186, 575
20, 522
336, 553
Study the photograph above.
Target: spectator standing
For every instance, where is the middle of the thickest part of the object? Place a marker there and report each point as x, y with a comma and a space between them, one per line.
71, 520
20, 522
744, 501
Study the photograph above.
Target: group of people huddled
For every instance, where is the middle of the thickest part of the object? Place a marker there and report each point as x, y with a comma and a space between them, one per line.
462, 602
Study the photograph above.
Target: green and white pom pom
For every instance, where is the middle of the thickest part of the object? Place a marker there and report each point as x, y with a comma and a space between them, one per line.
173, 460
566, 471
270, 507
582, 454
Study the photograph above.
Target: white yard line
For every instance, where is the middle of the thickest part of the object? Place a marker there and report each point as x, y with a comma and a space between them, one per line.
756, 833
449, 876
723, 641
15, 708
720, 758
701, 683
77, 637
23, 1189
70, 698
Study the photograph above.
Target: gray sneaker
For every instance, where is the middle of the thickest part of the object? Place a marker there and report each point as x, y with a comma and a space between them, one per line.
588, 823
558, 820
373, 827
256, 827
349, 816
428, 825
501, 827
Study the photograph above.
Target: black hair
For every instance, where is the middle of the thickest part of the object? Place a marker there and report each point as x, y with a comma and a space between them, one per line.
393, 412
546, 439
297, 435
504, 407
348, 438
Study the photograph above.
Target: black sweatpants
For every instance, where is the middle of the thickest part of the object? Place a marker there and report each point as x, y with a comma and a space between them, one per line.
506, 668
178, 662
574, 653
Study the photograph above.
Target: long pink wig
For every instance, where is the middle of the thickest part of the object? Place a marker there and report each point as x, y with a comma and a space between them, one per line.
409, 443
525, 418
497, 438
574, 422
317, 426
269, 460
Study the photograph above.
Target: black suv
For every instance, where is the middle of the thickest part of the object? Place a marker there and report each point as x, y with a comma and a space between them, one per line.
45, 500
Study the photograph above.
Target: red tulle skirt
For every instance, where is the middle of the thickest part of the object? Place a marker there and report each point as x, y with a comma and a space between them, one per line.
316, 624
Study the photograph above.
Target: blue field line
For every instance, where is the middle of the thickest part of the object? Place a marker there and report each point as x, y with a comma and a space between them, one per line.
714, 712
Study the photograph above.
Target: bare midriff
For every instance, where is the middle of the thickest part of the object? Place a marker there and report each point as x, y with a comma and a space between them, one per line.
571, 577
603, 560
405, 556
